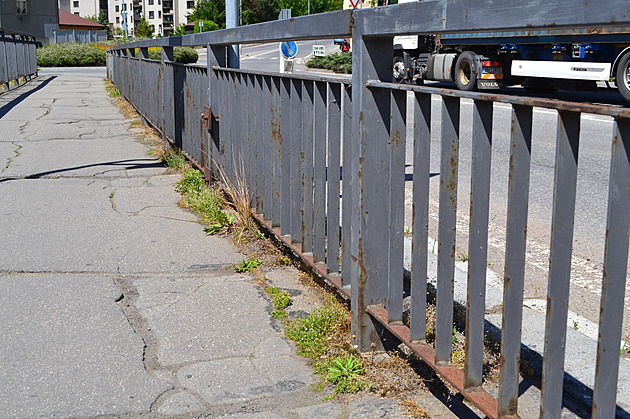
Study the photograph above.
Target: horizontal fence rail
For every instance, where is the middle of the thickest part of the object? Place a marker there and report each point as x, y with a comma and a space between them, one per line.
328, 166
18, 59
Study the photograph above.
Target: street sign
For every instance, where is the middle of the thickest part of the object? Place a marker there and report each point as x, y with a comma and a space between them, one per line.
319, 50
289, 49
355, 3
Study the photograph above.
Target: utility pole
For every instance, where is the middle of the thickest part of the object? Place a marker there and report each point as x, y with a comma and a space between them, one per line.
231, 21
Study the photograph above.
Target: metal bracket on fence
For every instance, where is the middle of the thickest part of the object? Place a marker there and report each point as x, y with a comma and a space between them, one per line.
207, 115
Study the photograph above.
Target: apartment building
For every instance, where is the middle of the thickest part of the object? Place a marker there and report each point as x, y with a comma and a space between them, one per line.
83, 8
31, 17
162, 15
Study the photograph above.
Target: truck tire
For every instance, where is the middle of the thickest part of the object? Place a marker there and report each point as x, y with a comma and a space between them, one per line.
623, 77
466, 71
398, 69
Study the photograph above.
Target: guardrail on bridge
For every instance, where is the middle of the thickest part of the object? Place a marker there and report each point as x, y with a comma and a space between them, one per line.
325, 161
18, 59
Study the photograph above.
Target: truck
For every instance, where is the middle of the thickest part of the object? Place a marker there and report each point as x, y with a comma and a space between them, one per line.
539, 60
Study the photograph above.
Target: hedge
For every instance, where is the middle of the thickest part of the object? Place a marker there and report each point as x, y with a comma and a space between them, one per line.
70, 55
184, 55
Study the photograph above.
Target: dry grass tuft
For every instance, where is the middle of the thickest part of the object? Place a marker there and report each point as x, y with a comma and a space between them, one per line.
413, 409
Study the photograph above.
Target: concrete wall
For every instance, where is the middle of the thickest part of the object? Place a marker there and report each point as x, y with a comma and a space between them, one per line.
41, 18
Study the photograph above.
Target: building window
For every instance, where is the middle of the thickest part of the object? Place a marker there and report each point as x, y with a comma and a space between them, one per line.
75, 4
151, 14
159, 1
152, 28
117, 9
151, 2
117, 19
76, 13
190, 4
21, 7
159, 14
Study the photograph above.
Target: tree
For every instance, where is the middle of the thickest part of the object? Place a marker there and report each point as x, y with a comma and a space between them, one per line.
300, 7
102, 19
144, 30
179, 30
208, 25
213, 10
256, 11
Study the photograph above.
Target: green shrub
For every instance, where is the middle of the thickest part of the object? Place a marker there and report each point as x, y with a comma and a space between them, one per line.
184, 55
70, 55
337, 62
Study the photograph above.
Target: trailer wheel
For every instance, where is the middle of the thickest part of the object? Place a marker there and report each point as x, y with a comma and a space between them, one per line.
398, 69
466, 71
623, 77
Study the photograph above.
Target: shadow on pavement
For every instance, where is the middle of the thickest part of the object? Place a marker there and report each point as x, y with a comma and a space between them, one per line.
6, 108
129, 164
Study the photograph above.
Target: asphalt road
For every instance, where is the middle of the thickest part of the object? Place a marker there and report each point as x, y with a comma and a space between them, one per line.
266, 57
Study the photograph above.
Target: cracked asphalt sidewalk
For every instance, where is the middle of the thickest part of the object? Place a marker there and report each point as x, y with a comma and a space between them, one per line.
114, 302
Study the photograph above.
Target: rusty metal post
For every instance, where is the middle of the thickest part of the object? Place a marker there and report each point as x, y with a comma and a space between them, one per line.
371, 60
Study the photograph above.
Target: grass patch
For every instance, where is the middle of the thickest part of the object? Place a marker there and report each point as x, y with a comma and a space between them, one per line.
173, 159
337, 62
313, 334
207, 202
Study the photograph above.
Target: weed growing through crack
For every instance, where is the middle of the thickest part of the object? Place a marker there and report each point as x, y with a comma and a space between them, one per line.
207, 202
248, 265
313, 334
173, 159
112, 90
280, 298
344, 372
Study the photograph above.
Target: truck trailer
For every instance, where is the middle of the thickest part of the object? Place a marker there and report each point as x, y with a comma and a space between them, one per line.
539, 60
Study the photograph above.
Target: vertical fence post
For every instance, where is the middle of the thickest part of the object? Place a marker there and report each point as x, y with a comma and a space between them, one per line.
478, 241
565, 182
614, 279
216, 58
144, 84
515, 247
347, 188
166, 54
371, 60
447, 230
420, 223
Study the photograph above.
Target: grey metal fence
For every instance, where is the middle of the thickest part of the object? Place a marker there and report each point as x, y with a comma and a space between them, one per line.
325, 161
63, 36
18, 59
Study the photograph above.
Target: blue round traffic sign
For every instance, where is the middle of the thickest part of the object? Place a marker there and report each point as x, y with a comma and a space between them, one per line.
289, 49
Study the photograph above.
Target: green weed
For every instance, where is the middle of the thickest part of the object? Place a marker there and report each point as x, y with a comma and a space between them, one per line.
248, 265
344, 372
463, 257
575, 325
173, 160
312, 333
281, 299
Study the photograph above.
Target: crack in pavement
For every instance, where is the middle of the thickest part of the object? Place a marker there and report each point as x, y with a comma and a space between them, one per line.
10, 159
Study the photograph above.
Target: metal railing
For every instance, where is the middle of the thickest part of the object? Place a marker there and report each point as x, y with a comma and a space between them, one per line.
18, 59
63, 36
325, 161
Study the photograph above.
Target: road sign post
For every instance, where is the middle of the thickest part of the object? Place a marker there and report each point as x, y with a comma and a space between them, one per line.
288, 51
